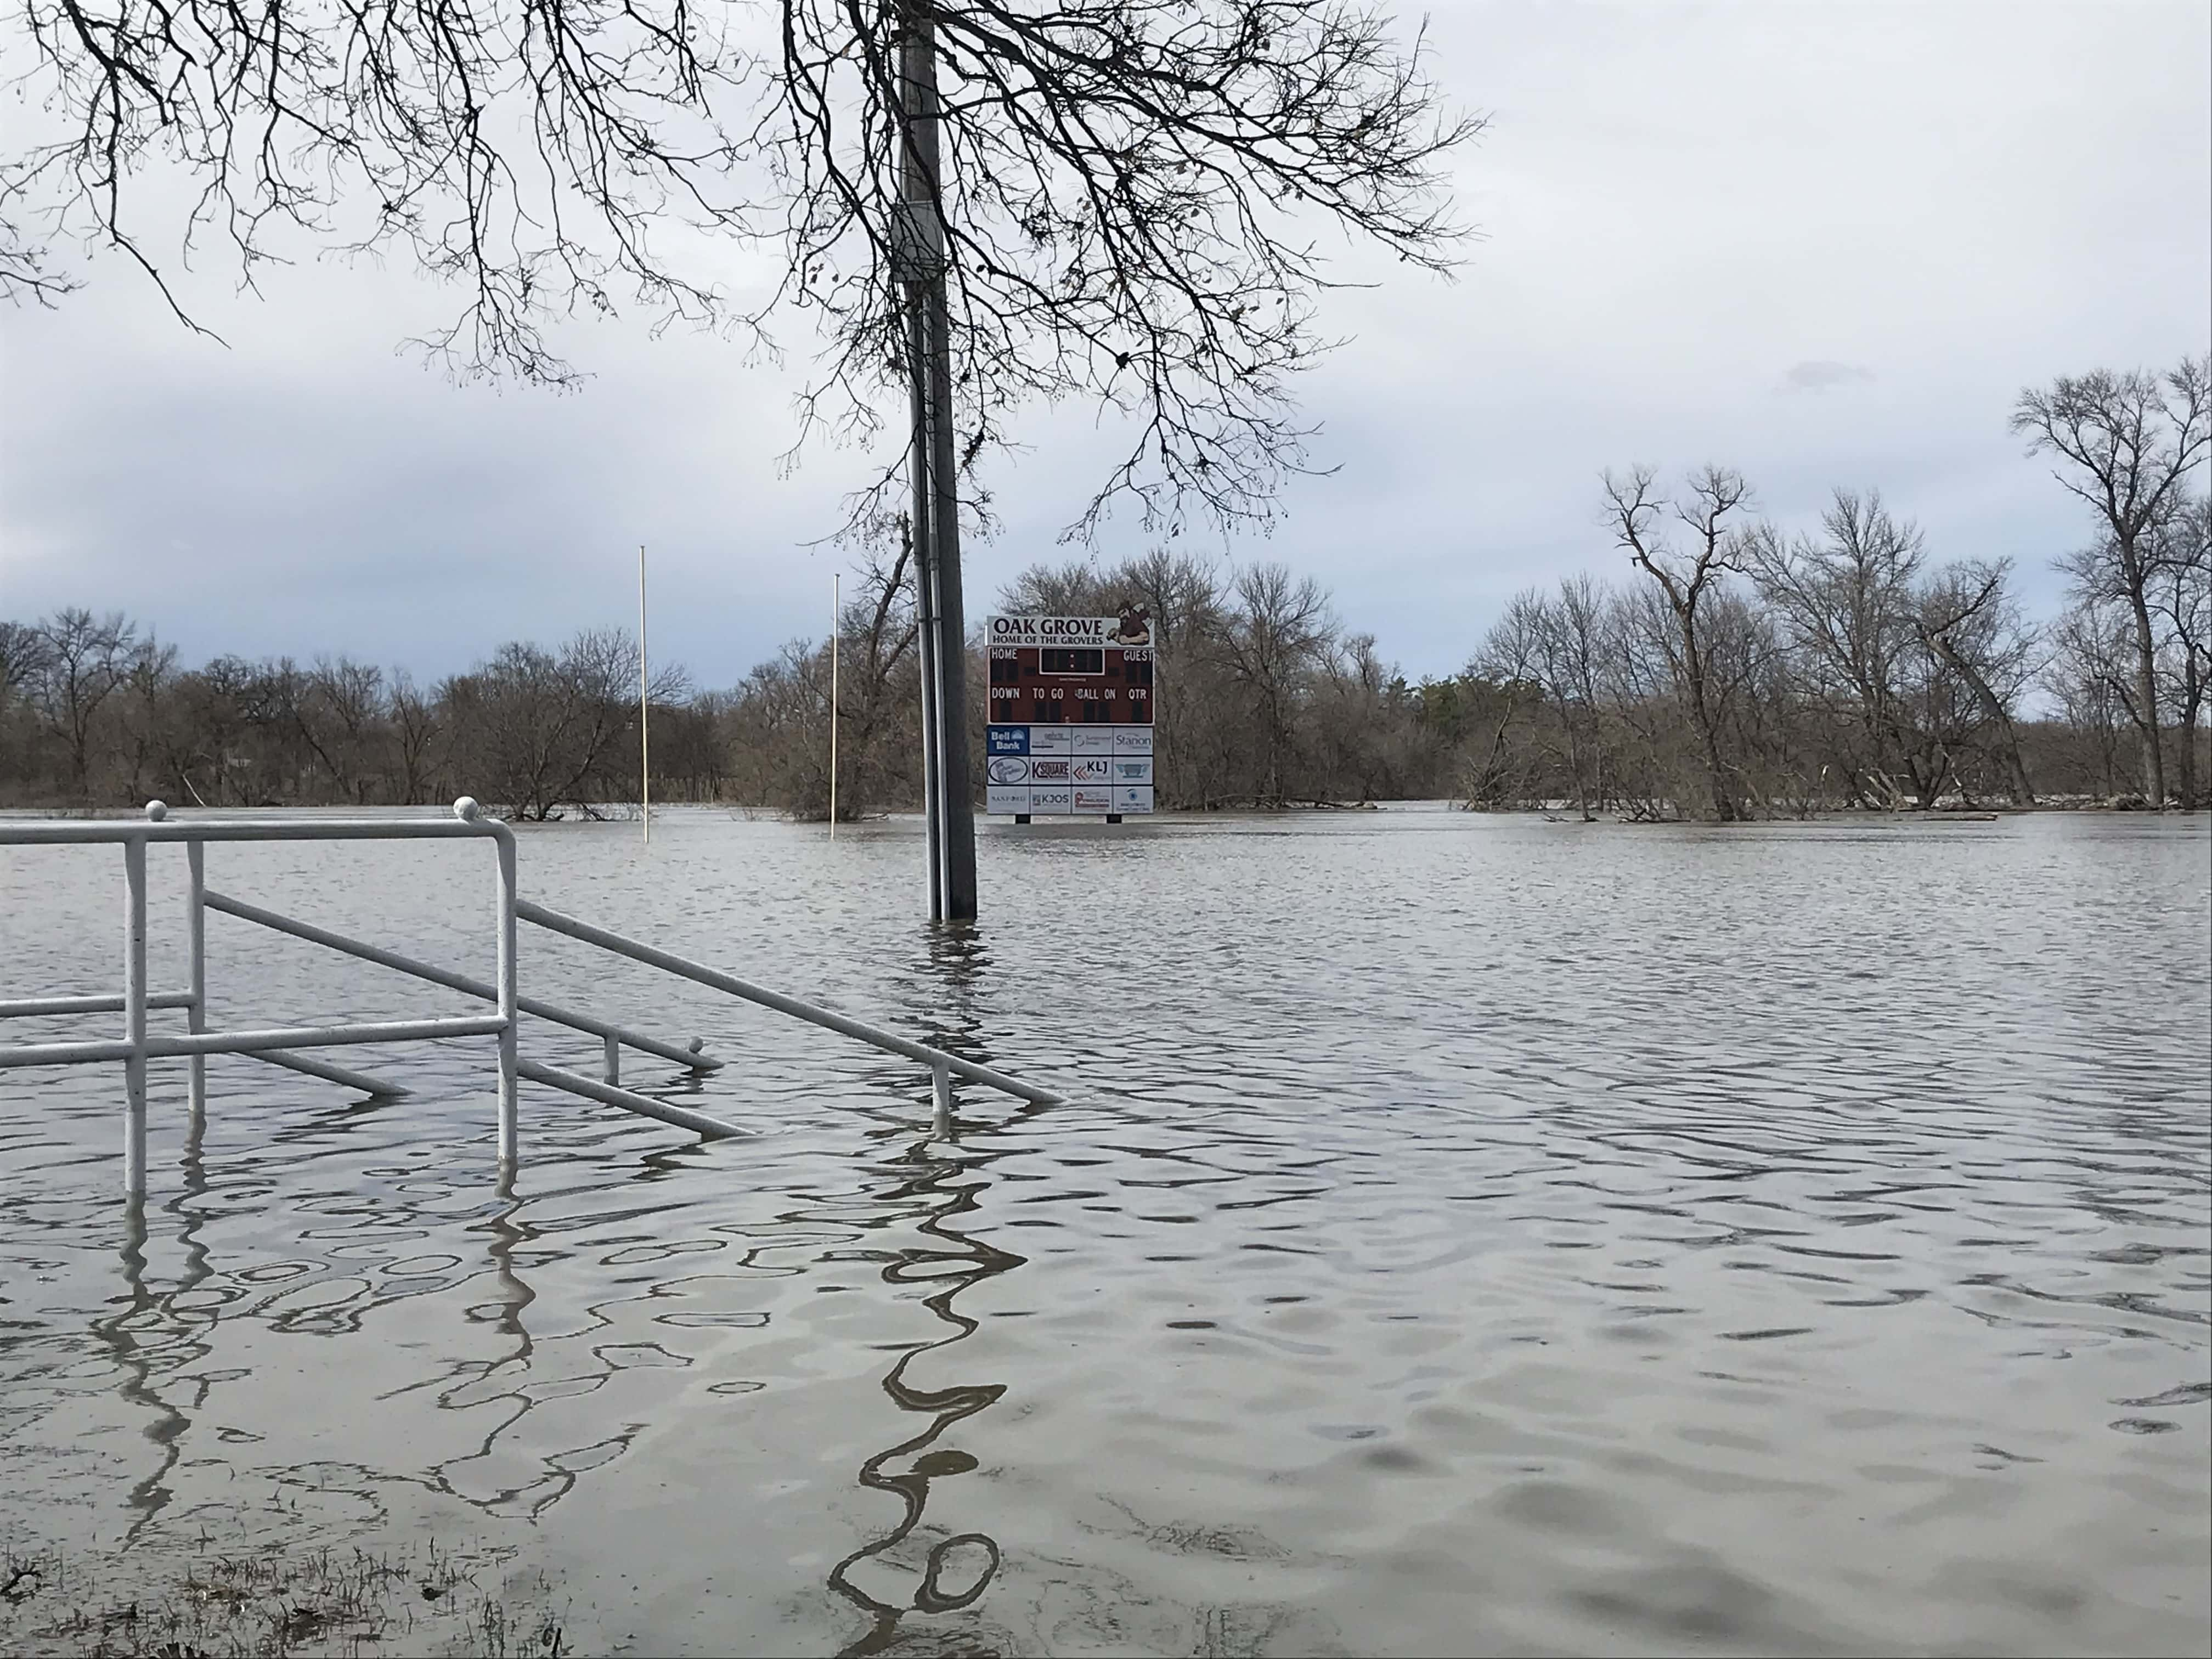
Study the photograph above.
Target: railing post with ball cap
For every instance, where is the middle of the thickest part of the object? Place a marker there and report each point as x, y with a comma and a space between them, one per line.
134, 1009
508, 981
196, 945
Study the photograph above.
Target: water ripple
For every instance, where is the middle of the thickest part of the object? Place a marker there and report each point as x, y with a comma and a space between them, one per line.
1467, 1234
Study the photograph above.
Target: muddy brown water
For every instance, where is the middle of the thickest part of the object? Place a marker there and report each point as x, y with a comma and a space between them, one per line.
1468, 1235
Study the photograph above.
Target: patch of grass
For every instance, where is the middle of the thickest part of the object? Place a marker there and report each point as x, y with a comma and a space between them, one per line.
269, 1604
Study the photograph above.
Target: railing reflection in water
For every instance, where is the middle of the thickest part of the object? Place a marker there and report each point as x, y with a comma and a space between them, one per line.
916, 1173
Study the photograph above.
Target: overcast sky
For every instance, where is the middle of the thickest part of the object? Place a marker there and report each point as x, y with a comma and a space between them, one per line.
1826, 244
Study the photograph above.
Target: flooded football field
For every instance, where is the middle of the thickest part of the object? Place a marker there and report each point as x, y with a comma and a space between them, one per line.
1465, 1234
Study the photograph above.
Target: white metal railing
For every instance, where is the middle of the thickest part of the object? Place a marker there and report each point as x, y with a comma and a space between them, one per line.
944, 1066
137, 1045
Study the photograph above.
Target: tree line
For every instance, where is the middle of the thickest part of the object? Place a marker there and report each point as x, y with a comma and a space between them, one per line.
1734, 670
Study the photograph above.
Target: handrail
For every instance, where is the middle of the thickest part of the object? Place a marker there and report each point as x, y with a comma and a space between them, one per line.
461, 983
813, 1013
645, 1105
175, 1044
137, 1045
113, 1004
329, 1070
57, 832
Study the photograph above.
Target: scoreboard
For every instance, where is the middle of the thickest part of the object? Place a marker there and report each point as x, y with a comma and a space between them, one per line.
1071, 715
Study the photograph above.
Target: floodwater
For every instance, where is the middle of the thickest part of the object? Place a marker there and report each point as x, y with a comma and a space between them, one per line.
1469, 1235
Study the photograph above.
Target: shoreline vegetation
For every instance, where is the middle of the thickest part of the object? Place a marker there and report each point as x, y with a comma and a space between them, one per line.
1737, 671
1574, 703
272, 1603
1569, 707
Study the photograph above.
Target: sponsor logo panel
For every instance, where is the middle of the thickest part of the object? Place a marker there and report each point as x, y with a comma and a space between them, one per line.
1012, 740
1093, 768
1131, 771
1133, 740
1052, 740
1008, 768
1059, 799
1094, 800
1093, 740
1128, 799
1000, 799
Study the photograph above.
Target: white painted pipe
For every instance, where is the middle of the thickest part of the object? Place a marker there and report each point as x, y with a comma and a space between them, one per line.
510, 1017
812, 1013
196, 949
643, 1105
171, 1045
134, 1018
537, 1009
344, 1075
113, 1004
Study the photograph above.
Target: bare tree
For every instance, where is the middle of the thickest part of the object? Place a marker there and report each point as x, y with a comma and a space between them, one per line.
879, 681
1578, 623
1075, 587
779, 729
338, 707
541, 727
1969, 623
1366, 750
1278, 631
2182, 596
1504, 668
1128, 195
22, 658
1525, 655
2129, 443
86, 659
22, 662
2087, 673
142, 741
1638, 515
1658, 753
1739, 642
1848, 604
418, 731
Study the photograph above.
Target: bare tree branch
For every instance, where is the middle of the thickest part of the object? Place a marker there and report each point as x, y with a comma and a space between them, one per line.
1134, 191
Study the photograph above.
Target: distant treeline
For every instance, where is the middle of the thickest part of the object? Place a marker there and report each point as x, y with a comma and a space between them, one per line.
1734, 672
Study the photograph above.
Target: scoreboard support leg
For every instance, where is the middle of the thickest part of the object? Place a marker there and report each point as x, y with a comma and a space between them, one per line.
1113, 817
1021, 818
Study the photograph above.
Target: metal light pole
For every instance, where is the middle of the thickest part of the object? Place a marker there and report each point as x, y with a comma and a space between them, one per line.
925, 583
920, 239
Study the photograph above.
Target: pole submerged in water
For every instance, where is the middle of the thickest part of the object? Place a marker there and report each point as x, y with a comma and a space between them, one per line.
925, 589
920, 251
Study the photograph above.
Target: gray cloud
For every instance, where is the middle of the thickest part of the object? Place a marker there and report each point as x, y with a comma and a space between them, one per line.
1821, 374
308, 489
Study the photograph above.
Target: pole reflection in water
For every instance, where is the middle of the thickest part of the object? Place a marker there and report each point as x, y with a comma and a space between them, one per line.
955, 1571
456, 1401
939, 1177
